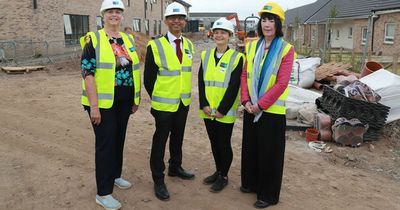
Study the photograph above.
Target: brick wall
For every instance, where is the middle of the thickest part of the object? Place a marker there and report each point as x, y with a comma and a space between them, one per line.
379, 47
19, 20
379, 34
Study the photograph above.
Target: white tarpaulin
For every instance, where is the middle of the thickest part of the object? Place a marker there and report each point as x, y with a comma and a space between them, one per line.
387, 85
299, 99
303, 72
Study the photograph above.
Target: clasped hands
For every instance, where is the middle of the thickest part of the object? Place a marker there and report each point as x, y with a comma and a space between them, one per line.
252, 108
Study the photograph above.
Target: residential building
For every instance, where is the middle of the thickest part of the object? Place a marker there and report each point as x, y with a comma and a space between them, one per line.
57, 20
206, 19
345, 24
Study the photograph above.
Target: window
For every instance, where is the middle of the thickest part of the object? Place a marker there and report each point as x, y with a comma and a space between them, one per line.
350, 32
337, 34
389, 33
136, 25
99, 22
363, 35
75, 26
294, 35
159, 27
313, 34
155, 27
146, 27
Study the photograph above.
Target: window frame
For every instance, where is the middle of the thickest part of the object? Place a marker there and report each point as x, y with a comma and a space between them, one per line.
386, 37
155, 27
337, 34
364, 40
138, 22
350, 35
99, 19
72, 37
147, 26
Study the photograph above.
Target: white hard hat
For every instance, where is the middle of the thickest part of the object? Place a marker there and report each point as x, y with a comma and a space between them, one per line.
111, 4
223, 23
175, 9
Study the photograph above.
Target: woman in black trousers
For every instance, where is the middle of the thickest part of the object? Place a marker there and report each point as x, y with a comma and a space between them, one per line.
264, 89
219, 82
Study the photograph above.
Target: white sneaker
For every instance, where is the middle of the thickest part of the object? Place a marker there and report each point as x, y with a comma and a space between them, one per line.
108, 202
122, 183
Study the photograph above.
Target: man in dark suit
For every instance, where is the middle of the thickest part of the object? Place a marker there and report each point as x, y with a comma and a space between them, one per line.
167, 79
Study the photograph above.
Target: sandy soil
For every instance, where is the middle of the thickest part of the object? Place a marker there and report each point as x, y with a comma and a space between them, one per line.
47, 157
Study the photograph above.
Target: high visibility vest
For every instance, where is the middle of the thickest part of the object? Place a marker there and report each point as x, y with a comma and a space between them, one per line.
279, 106
105, 68
174, 79
216, 80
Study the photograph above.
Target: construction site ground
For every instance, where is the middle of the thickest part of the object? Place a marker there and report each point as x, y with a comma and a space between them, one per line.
47, 156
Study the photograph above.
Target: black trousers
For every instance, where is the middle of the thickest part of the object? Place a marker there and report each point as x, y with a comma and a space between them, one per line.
220, 138
110, 139
170, 124
263, 151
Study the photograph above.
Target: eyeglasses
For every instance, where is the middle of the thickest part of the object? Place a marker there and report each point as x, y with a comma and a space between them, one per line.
173, 18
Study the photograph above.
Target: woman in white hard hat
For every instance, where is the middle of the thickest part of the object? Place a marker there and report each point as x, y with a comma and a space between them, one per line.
111, 93
264, 89
219, 82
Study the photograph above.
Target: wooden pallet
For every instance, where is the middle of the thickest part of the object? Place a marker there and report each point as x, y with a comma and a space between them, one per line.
21, 69
331, 69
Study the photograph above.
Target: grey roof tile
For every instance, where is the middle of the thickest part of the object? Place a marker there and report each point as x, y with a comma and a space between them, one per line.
320, 10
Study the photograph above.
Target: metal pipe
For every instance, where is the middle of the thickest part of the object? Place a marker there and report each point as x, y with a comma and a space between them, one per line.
369, 29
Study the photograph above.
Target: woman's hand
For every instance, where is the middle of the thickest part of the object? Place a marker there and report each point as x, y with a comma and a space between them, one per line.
218, 115
95, 115
247, 107
207, 110
134, 108
255, 109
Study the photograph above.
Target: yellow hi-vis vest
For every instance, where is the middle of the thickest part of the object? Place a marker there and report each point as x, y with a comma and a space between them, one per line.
174, 80
279, 106
216, 80
105, 68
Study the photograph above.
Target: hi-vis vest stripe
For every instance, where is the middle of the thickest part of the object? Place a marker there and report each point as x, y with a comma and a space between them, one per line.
279, 106
174, 79
216, 80
105, 68
228, 73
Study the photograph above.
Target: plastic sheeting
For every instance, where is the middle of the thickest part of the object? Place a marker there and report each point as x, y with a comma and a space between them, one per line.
387, 85
303, 72
299, 99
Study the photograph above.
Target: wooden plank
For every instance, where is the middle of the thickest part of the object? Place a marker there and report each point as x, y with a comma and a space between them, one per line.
21, 69
14, 70
34, 68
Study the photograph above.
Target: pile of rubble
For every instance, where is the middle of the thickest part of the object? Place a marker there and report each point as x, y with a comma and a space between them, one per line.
347, 97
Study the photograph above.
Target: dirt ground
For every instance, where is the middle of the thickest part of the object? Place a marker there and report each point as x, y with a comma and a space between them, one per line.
47, 157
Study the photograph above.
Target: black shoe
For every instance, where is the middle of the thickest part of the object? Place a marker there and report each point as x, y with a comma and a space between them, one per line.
219, 184
161, 191
211, 179
246, 190
181, 173
259, 204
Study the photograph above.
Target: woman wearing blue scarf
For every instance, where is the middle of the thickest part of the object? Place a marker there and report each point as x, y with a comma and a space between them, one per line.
264, 89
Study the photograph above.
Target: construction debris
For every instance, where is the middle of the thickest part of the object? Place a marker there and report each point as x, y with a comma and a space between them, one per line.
328, 71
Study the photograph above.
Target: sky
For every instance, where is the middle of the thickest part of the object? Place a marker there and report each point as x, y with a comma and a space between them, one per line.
244, 8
